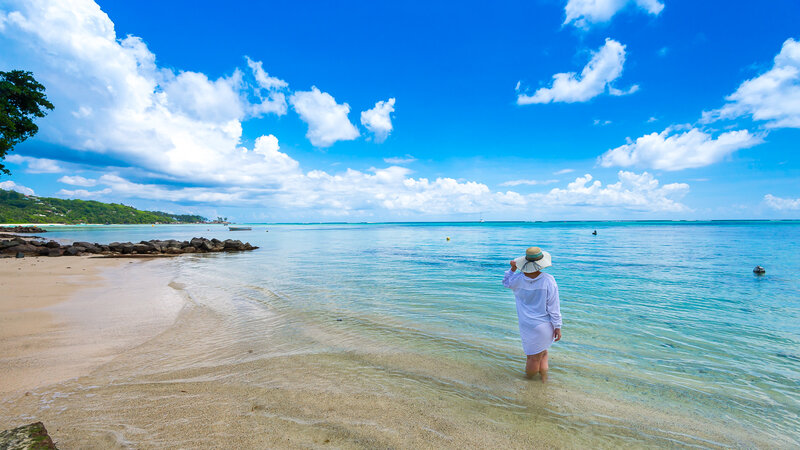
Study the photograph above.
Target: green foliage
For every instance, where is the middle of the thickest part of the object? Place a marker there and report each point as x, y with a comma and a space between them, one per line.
21, 99
19, 208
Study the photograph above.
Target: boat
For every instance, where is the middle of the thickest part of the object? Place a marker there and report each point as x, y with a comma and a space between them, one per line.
239, 228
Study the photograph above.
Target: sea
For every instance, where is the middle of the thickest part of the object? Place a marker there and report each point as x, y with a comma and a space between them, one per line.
402, 335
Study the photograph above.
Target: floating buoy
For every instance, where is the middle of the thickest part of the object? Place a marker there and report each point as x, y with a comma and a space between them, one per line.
448, 238
759, 270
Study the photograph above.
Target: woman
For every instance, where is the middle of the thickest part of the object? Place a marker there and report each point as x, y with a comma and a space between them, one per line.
538, 307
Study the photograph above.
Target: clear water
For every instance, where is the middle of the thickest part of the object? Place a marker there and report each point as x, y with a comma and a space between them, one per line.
658, 316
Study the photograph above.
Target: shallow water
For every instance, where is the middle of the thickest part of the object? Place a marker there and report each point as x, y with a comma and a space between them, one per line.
390, 335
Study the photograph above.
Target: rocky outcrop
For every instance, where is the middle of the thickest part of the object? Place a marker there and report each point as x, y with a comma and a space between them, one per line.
22, 229
33, 437
116, 249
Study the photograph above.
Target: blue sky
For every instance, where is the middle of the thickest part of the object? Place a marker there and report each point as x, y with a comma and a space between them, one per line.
415, 111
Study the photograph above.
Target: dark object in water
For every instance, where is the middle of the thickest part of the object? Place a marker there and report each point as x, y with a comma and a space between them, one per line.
239, 228
760, 270
31, 436
594, 232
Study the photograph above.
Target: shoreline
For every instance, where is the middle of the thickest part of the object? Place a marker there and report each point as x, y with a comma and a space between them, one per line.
62, 318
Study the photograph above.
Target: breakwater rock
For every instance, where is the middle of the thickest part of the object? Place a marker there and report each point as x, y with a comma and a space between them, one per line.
30, 247
33, 436
22, 229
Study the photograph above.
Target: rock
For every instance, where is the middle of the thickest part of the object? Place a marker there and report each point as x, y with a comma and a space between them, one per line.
20, 255
126, 248
73, 250
52, 244
173, 251
32, 436
55, 252
142, 248
22, 229
22, 248
196, 242
207, 246
189, 249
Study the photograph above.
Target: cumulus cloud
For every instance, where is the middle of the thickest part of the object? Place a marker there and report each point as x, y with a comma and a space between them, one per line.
583, 13
603, 68
36, 165
113, 99
327, 120
782, 204
528, 182
632, 191
268, 91
77, 180
671, 150
378, 120
772, 97
11, 186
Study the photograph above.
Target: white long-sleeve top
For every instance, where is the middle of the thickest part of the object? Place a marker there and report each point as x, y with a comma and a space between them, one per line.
537, 298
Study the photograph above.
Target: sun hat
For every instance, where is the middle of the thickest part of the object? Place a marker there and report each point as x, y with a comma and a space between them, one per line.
534, 260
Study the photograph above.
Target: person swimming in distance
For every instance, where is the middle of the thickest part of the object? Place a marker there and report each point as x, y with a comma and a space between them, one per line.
538, 307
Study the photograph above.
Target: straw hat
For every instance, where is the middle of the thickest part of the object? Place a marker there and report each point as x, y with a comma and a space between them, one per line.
534, 260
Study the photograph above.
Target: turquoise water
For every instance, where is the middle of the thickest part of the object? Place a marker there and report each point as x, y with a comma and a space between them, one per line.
658, 316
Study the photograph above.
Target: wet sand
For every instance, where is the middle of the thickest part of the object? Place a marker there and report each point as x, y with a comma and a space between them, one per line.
60, 318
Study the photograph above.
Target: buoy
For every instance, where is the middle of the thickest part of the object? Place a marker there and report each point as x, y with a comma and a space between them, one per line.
759, 270
448, 238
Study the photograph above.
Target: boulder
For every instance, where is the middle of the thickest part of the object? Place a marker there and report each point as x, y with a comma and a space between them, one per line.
32, 436
142, 248
22, 248
189, 249
53, 244
207, 246
55, 252
126, 248
173, 251
20, 255
73, 250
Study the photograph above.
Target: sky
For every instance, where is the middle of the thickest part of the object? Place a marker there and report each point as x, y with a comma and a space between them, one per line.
414, 111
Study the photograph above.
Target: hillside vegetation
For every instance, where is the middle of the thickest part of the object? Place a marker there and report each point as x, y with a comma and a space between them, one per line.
19, 208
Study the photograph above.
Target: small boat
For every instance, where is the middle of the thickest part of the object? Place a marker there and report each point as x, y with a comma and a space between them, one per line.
239, 228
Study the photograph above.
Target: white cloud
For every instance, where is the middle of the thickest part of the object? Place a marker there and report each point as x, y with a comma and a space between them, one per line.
632, 191
563, 171
82, 193
782, 204
11, 186
601, 122
36, 165
327, 120
400, 159
378, 120
528, 182
651, 119
77, 180
274, 101
604, 67
583, 13
773, 97
676, 151
112, 99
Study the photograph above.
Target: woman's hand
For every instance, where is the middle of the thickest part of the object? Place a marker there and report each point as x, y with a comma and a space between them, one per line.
513, 266
557, 334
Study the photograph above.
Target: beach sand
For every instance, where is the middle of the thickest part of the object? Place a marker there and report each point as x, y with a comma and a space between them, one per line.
62, 317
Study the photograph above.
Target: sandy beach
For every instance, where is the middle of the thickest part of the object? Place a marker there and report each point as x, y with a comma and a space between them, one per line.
60, 318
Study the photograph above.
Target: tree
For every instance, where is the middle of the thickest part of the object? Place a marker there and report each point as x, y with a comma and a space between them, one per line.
21, 99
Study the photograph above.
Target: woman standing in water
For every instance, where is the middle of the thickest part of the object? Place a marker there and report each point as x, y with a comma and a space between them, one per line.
538, 307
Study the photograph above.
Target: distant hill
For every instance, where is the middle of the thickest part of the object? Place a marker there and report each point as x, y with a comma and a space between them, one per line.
19, 208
